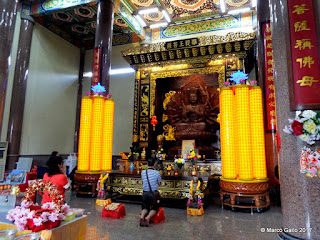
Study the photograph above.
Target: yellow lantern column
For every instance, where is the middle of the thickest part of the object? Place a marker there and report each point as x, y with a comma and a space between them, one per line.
107, 134
227, 130
243, 133
257, 133
96, 133
85, 134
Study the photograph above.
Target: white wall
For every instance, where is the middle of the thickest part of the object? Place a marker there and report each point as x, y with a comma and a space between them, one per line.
50, 107
122, 90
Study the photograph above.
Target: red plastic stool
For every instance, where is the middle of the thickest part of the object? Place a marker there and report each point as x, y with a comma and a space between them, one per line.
113, 210
159, 217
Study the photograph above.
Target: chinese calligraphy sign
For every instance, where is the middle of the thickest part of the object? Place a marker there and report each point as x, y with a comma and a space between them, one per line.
305, 56
96, 66
269, 81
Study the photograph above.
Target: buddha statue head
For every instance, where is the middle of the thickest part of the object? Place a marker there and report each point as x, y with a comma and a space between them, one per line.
193, 95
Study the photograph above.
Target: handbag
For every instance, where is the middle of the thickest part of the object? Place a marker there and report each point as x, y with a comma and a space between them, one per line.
157, 197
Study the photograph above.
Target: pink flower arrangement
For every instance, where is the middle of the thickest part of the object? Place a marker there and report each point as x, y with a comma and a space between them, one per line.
226, 84
38, 215
310, 162
253, 83
109, 95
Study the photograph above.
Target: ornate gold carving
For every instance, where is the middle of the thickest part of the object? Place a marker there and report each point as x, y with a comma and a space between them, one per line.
144, 100
203, 41
248, 44
237, 46
144, 130
226, 56
179, 53
171, 54
211, 49
228, 47
240, 64
142, 58
208, 70
177, 189
172, 63
168, 98
203, 51
149, 56
135, 107
145, 81
138, 74
164, 117
164, 56
195, 52
157, 56
186, 53
169, 132
220, 48
143, 144
144, 74
135, 138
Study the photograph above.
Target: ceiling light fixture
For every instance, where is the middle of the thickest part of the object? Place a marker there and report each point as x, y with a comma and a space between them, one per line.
253, 3
141, 20
222, 6
160, 24
121, 71
239, 10
148, 10
115, 71
87, 74
166, 15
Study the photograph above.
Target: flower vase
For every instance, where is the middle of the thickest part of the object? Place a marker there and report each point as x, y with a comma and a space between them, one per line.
131, 168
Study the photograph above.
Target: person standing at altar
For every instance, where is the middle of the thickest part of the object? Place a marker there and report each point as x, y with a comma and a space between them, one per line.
151, 197
56, 174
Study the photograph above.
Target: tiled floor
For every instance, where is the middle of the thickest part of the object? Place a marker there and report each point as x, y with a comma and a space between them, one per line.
216, 223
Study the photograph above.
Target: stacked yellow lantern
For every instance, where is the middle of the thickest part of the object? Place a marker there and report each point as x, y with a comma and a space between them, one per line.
243, 132
107, 134
257, 131
227, 133
85, 134
242, 145
96, 134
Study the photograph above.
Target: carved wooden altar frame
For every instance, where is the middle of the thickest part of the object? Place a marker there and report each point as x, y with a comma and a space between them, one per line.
145, 90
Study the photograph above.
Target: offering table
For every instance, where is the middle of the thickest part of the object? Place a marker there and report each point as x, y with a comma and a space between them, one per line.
172, 187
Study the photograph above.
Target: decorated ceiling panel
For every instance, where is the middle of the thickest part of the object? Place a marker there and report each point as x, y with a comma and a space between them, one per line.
77, 24
187, 8
75, 20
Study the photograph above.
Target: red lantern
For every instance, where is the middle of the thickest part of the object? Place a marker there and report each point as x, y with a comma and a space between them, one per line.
154, 121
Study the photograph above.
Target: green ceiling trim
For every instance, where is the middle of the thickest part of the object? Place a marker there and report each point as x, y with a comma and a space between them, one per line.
200, 27
130, 20
128, 5
54, 5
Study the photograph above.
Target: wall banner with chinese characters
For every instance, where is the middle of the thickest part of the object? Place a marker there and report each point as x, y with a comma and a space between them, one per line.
269, 81
96, 66
305, 56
